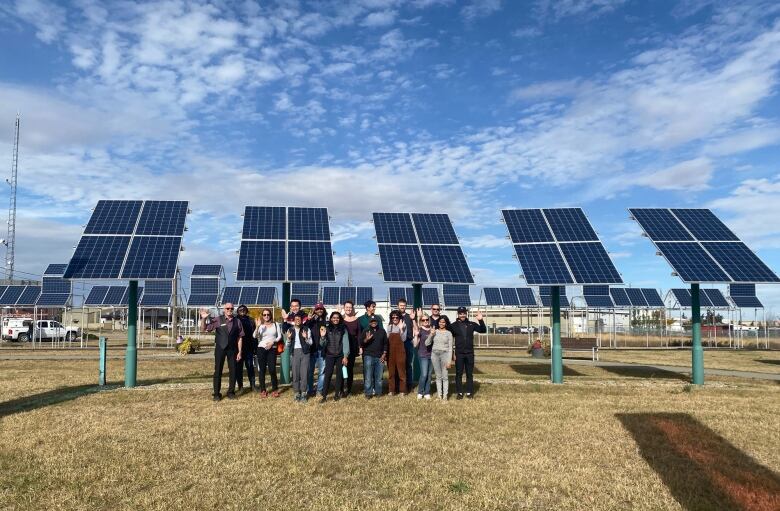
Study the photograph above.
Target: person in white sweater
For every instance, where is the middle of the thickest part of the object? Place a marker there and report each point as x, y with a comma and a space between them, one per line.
441, 342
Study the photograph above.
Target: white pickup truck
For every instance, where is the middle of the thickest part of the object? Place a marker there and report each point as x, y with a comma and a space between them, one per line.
18, 329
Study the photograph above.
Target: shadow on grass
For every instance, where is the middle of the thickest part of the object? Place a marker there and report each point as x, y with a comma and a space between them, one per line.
773, 362
50, 397
540, 370
702, 470
641, 371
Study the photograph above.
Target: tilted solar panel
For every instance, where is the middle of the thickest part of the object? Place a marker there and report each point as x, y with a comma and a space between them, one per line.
304, 288
231, 294
716, 298
266, 295
364, 294
202, 300
115, 296
660, 224
308, 224
206, 270
347, 294
11, 295
542, 263
446, 263
691, 262
430, 296
203, 286
114, 217
747, 302
310, 261
402, 263
162, 218
636, 296
150, 300
264, 223
261, 261
248, 295
331, 295
527, 226
394, 228
603, 301
704, 225
493, 297
397, 293
652, 297
509, 297
56, 285
742, 289
53, 300
619, 297
683, 297
434, 229
29, 296
570, 224
595, 290
527, 297
55, 269
740, 262
96, 295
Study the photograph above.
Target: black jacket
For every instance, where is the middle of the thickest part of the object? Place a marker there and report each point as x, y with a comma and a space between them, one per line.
463, 332
305, 346
226, 338
377, 346
314, 323
249, 346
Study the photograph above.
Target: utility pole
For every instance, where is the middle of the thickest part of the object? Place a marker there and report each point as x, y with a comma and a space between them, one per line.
174, 330
10, 240
349, 274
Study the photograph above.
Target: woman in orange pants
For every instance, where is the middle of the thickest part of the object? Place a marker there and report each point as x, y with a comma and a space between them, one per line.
396, 364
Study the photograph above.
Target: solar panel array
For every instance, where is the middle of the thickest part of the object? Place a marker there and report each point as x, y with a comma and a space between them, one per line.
127, 239
262, 296
510, 297
700, 248
597, 296
711, 298
207, 270
55, 290
334, 295
430, 296
456, 295
635, 297
110, 296
559, 246
280, 244
157, 294
744, 296
546, 297
205, 282
55, 269
420, 248
308, 293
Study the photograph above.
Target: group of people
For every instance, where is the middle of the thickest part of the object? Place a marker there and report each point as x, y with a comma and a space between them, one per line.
332, 343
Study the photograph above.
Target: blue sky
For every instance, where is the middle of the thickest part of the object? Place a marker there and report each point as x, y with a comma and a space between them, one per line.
420, 105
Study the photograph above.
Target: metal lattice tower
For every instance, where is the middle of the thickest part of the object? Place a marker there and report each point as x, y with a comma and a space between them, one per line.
10, 240
349, 275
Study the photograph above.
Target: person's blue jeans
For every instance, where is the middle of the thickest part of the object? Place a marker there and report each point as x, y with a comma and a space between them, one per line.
409, 349
319, 361
426, 368
372, 375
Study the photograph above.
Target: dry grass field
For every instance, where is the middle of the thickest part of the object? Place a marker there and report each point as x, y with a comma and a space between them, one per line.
603, 440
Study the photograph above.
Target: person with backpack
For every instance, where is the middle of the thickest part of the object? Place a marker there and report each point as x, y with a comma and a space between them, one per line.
268, 335
249, 349
334, 340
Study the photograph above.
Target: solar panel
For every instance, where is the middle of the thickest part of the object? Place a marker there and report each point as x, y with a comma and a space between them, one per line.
52, 300
742, 289
308, 224
704, 225
602, 301
619, 297
394, 228
310, 261
307, 300
397, 293
264, 223
527, 226
747, 302
2, 290
98, 257
652, 297
547, 290
547, 301
700, 247
29, 296
542, 263
152, 300
509, 297
248, 295
740, 262
96, 295
55, 269
55, 285
434, 229
716, 298
364, 294
162, 218
527, 297
261, 261
11, 295
347, 294
595, 290
152, 257
206, 270
114, 217
159, 287
660, 224
683, 297
126, 296
704, 299
691, 262
203, 286
493, 297
589, 262
117, 296
446, 263
402, 263
231, 294
430, 296
202, 300
304, 288
570, 224
266, 295
636, 296
330, 295
456, 295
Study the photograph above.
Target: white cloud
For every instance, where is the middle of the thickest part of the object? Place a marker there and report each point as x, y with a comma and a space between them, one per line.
485, 241
753, 209
48, 18
479, 9
558, 9
546, 90
379, 19
692, 175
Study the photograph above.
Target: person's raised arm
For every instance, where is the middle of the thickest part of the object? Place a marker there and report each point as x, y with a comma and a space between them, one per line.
482, 328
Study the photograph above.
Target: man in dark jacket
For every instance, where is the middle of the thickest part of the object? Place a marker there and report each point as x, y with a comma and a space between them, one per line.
228, 333
249, 349
317, 361
373, 340
408, 346
463, 332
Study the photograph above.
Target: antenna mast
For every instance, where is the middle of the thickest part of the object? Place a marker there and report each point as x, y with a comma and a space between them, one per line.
349, 275
10, 240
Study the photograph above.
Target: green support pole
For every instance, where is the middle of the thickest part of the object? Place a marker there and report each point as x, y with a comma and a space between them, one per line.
557, 358
284, 377
697, 352
131, 355
102, 363
418, 303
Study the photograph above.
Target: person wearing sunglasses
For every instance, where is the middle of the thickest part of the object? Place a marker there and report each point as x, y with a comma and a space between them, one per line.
463, 331
228, 334
436, 314
334, 340
422, 330
249, 349
268, 334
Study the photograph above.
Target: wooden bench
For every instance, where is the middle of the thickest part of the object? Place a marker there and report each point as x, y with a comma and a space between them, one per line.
581, 344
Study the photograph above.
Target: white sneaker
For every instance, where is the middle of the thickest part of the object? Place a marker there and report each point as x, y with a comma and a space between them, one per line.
427, 396
390, 394
419, 396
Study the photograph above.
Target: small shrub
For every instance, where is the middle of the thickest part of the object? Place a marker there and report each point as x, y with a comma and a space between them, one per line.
459, 487
189, 345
